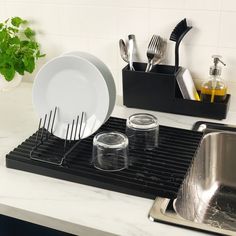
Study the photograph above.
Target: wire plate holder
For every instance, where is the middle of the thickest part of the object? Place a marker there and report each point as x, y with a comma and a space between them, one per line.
45, 138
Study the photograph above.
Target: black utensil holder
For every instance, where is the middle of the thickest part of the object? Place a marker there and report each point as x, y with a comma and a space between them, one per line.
158, 90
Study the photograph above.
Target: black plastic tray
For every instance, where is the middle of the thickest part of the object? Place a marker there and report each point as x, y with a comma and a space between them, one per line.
158, 90
158, 172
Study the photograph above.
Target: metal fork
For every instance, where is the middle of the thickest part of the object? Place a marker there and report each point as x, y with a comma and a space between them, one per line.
161, 50
151, 51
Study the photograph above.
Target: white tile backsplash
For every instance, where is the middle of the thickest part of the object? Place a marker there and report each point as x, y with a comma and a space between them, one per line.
128, 22
228, 5
96, 27
105, 51
199, 66
120, 3
168, 4
229, 72
75, 22
73, 43
211, 5
163, 21
101, 22
205, 29
227, 37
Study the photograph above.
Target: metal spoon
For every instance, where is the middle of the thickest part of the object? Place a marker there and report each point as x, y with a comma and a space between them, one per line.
123, 50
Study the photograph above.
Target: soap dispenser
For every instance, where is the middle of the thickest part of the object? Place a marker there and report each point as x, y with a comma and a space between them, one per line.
214, 90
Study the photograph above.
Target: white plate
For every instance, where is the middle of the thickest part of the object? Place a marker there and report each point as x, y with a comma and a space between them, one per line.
107, 75
74, 85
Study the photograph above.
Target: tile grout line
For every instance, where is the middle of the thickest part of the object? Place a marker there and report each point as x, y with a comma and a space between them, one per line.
219, 26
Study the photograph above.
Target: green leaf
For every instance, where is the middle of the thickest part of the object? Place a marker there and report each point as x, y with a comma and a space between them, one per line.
24, 43
14, 40
8, 71
29, 63
2, 35
13, 30
29, 33
17, 21
33, 45
2, 60
41, 55
19, 67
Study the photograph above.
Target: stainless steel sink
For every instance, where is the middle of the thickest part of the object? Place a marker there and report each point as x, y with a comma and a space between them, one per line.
207, 198
208, 193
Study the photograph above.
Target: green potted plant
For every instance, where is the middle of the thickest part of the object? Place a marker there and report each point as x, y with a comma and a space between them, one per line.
19, 51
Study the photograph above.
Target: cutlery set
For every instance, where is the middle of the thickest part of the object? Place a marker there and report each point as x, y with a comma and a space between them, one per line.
123, 50
155, 52
156, 48
128, 50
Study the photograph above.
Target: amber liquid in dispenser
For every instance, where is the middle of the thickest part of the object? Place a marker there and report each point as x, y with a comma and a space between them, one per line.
213, 95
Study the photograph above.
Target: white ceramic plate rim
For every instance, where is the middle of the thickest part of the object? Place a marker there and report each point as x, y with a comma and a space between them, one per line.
93, 120
105, 72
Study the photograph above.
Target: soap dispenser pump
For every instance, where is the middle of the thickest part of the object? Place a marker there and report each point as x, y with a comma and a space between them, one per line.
214, 90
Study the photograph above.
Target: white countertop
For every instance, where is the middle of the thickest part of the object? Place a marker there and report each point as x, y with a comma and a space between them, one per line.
67, 206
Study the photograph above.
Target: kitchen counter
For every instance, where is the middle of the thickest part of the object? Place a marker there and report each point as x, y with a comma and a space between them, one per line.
66, 206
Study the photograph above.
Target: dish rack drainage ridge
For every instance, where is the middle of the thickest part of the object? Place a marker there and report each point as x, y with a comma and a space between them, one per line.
151, 173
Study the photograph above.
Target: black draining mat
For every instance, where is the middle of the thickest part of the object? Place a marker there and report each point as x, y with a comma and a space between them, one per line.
159, 172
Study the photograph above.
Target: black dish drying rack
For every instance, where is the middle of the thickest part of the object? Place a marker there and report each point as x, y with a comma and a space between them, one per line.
151, 173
